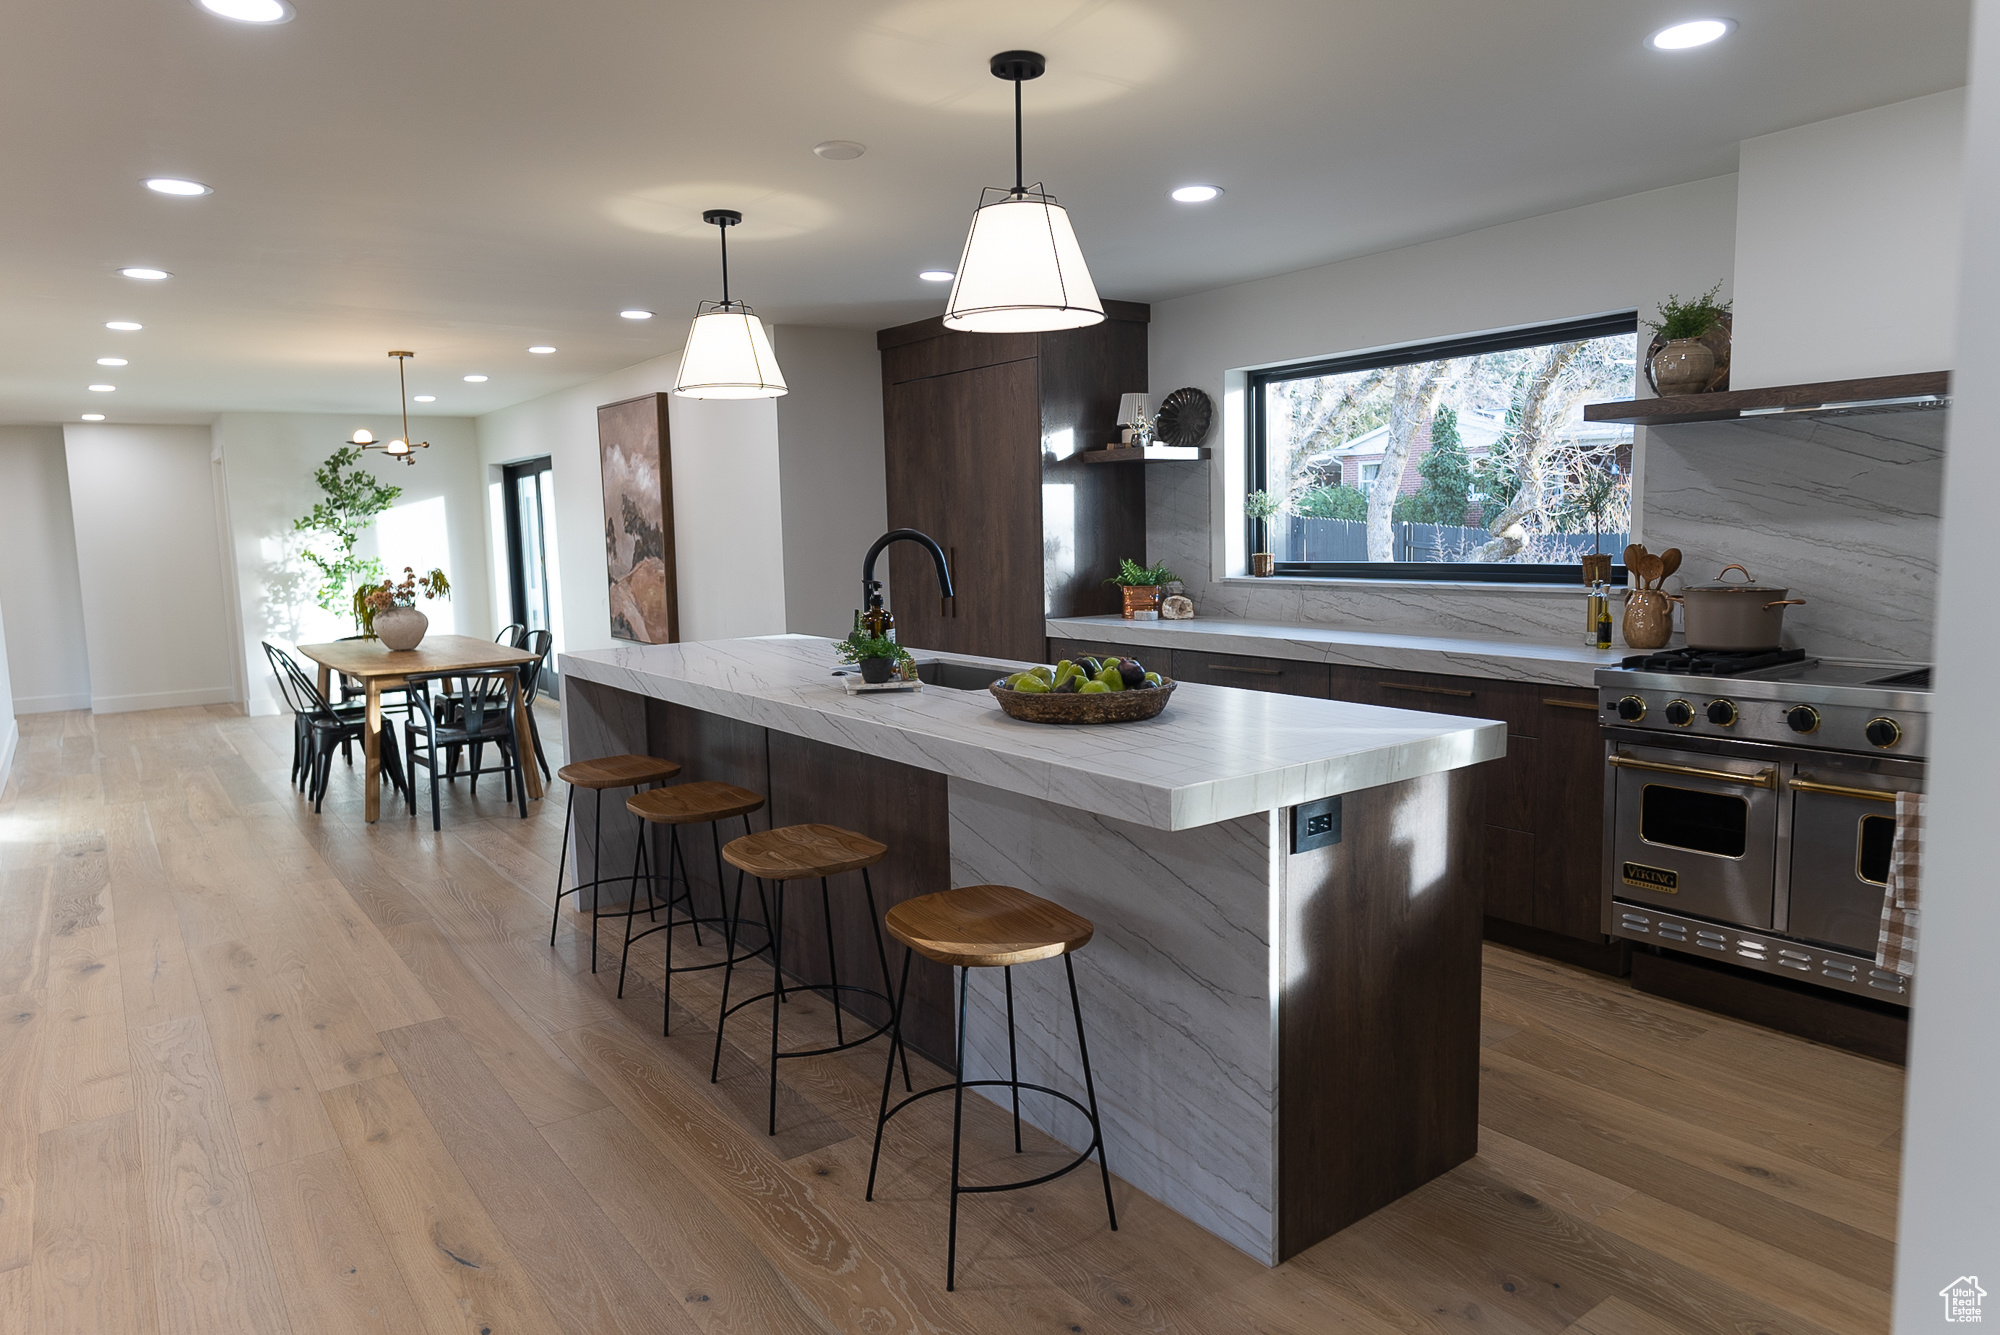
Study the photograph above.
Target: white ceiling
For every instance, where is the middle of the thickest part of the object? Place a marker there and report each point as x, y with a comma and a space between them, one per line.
466, 179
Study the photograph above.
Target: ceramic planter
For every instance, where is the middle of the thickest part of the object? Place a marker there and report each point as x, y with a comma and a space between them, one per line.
401, 627
1683, 366
1649, 619
875, 671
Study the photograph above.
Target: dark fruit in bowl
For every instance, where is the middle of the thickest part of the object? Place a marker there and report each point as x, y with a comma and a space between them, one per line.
1068, 686
1134, 675
1091, 667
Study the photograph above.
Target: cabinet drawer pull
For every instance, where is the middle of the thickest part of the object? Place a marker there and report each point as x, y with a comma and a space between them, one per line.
1426, 690
1570, 704
1838, 790
1765, 778
1255, 672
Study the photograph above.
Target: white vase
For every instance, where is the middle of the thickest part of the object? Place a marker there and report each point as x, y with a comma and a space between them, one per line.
401, 627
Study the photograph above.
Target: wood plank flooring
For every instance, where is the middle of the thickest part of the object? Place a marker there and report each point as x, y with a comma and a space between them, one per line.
266, 1071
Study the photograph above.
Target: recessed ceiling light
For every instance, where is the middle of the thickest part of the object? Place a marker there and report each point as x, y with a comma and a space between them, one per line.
112, 361
174, 185
635, 315
249, 11
542, 348
1696, 32
840, 150
1197, 194
937, 275
475, 380
423, 398
93, 417
103, 389
149, 275
124, 326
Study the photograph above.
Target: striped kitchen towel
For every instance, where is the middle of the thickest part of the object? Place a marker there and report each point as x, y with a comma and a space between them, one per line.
1896, 944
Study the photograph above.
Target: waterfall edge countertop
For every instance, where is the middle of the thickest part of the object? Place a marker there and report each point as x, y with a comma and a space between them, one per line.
1216, 753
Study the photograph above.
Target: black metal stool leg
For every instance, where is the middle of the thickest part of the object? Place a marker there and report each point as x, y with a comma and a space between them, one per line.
832, 962
667, 978
778, 997
728, 970
1090, 1092
562, 861
687, 885
889, 1071
597, 876
1013, 1064
957, 1127
639, 861
875, 921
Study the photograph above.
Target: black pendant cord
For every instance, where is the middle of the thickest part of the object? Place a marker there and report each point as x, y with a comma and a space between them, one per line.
1020, 189
723, 228
403, 390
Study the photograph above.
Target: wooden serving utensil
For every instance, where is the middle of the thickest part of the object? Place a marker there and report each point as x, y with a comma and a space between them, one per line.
1670, 561
1634, 554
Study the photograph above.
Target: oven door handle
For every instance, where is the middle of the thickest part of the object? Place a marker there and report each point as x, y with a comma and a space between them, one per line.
1761, 779
1838, 790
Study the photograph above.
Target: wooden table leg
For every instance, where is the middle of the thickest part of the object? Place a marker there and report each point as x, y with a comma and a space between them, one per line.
371, 746
525, 740
326, 683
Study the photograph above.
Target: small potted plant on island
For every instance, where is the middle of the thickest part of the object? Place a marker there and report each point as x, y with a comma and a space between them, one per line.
878, 656
1260, 506
1691, 339
1142, 587
389, 610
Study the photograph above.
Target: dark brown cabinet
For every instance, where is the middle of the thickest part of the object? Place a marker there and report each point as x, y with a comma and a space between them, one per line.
1279, 675
979, 434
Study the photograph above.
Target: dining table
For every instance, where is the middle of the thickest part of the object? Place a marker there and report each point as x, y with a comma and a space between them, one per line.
379, 668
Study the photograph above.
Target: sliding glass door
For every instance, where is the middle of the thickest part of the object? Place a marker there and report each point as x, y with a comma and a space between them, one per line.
531, 503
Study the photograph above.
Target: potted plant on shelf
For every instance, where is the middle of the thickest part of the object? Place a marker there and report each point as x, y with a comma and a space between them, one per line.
1690, 344
878, 656
1142, 587
393, 617
1260, 506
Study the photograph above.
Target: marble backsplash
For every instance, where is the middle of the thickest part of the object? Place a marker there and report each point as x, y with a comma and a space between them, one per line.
1843, 510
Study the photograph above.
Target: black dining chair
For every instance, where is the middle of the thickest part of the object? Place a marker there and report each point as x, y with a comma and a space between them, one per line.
331, 727
536, 642
483, 714
280, 661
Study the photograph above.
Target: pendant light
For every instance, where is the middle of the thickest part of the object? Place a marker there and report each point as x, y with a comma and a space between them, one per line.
1022, 269
728, 354
399, 448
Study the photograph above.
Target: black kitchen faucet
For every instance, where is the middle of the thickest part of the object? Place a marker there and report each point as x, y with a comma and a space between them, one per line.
871, 588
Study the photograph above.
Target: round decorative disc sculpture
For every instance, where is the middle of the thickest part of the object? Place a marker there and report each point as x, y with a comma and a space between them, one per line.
1184, 418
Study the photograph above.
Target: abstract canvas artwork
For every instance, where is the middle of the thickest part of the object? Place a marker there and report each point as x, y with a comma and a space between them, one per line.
633, 444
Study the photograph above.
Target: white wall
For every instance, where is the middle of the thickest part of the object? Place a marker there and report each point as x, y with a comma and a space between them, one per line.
10, 731
149, 550
1847, 246
1618, 255
439, 520
830, 455
46, 657
729, 542
1950, 1205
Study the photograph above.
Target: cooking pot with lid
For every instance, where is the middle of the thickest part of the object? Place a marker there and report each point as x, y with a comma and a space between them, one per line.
1733, 617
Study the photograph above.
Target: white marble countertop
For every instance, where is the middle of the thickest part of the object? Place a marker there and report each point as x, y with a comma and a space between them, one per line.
1216, 753
1465, 656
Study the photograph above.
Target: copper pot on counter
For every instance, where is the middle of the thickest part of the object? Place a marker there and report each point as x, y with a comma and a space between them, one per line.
1735, 618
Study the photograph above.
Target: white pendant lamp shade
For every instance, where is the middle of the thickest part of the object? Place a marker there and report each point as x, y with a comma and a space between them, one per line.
728, 357
1021, 270
728, 353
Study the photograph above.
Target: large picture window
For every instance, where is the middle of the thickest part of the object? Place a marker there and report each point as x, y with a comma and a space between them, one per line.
1467, 459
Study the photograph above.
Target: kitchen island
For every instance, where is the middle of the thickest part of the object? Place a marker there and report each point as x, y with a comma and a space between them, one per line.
1283, 989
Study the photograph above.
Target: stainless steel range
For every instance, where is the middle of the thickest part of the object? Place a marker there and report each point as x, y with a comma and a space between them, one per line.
1749, 808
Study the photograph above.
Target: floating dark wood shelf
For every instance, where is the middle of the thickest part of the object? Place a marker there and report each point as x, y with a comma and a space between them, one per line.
1151, 454
1826, 396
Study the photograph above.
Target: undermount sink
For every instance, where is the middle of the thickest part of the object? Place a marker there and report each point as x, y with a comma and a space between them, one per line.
960, 676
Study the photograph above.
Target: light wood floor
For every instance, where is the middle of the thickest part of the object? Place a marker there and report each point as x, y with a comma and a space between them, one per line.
263, 1071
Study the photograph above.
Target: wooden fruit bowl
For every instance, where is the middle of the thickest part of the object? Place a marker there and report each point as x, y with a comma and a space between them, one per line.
1109, 707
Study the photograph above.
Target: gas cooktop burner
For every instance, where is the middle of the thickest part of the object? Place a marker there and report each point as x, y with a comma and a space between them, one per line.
1712, 662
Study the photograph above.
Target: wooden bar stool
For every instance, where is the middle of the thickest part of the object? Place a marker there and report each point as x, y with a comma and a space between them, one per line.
989, 927
597, 775
706, 801
796, 853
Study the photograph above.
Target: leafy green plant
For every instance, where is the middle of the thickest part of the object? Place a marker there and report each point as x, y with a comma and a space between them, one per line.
1324, 502
1132, 574
859, 644
370, 599
353, 497
1689, 319
1260, 505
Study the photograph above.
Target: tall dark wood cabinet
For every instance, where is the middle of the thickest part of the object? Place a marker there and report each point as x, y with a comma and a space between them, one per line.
979, 434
